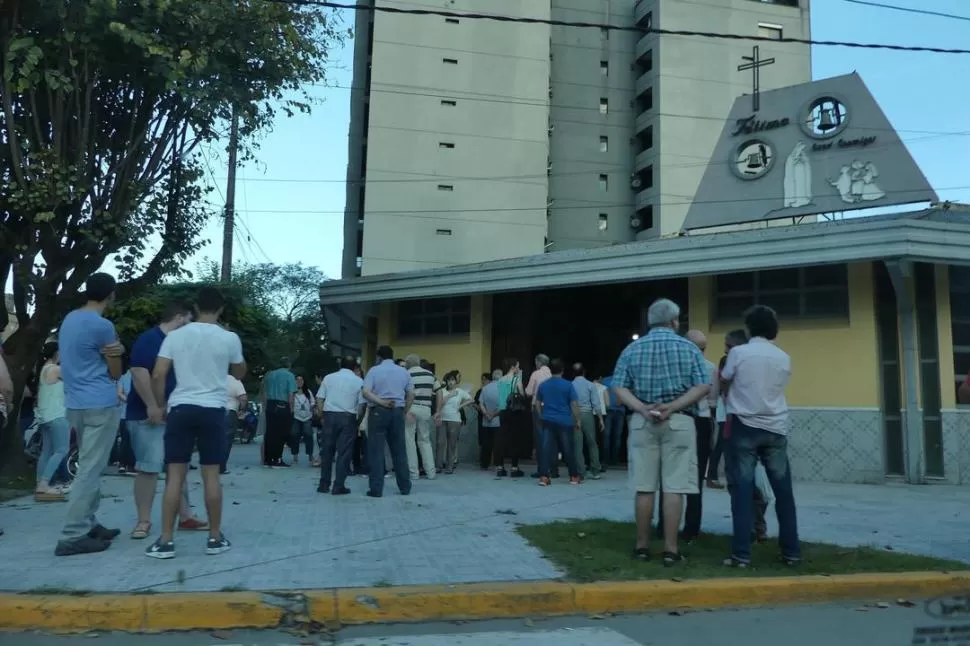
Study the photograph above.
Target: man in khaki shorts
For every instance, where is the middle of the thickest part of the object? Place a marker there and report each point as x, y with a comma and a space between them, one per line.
660, 377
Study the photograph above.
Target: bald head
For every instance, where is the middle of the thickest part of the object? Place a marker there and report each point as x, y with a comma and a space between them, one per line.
697, 338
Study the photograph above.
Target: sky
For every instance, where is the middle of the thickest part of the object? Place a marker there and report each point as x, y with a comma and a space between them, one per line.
290, 204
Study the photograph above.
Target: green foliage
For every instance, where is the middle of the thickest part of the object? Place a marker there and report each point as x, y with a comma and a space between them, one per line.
103, 107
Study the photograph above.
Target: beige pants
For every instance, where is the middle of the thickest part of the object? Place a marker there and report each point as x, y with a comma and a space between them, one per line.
663, 455
448, 443
417, 437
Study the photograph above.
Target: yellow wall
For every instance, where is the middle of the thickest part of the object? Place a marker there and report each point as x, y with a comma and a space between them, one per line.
469, 355
834, 361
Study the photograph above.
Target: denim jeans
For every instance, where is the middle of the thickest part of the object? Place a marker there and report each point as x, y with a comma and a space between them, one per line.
552, 437
56, 436
613, 436
744, 448
336, 438
386, 426
301, 431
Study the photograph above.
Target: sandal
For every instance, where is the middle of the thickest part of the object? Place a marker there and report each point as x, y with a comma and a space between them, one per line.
142, 530
673, 558
641, 554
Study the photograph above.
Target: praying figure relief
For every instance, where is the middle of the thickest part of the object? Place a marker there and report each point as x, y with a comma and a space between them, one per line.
798, 177
857, 183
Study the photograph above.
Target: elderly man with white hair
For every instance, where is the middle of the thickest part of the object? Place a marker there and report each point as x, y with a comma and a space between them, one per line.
660, 377
419, 422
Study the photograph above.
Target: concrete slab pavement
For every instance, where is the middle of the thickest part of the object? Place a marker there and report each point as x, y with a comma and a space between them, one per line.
456, 529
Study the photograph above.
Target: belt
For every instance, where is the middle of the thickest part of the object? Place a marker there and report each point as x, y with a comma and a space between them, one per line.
338, 412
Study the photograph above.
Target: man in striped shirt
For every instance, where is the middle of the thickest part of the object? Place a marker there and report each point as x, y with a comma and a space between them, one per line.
417, 429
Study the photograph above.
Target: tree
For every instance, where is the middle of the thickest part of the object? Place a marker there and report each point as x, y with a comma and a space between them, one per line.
102, 107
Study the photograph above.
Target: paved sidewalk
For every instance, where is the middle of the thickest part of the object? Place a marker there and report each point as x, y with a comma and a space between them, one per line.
456, 529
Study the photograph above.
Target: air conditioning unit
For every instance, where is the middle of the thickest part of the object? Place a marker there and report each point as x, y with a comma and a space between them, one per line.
552, 127
635, 183
635, 222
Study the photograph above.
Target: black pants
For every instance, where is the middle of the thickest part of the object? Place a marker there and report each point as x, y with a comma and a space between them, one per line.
339, 431
359, 454
122, 453
513, 426
279, 423
715, 461
704, 427
486, 442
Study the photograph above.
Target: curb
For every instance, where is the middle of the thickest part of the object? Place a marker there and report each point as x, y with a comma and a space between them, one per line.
335, 607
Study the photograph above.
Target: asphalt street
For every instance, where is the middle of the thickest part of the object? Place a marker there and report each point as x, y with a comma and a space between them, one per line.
833, 625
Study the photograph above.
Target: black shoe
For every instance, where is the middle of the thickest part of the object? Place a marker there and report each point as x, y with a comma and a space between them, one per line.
671, 559
374, 494
339, 491
83, 545
322, 488
555, 474
102, 533
790, 562
517, 473
282, 464
217, 545
160, 550
534, 475
735, 563
642, 554
688, 537
501, 472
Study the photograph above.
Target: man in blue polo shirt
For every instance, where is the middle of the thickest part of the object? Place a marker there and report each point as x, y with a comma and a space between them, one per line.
613, 426
146, 419
279, 390
557, 404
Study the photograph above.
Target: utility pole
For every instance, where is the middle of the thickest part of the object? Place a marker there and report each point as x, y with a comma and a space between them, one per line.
230, 223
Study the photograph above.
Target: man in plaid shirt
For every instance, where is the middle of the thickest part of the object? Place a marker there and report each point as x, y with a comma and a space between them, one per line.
660, 377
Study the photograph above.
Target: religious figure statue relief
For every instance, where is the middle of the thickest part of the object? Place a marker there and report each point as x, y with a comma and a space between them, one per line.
857, 183
798, 177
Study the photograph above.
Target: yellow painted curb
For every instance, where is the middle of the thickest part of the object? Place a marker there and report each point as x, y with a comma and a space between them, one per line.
353, 606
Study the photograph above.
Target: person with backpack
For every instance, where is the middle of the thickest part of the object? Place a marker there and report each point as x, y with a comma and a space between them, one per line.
513, 419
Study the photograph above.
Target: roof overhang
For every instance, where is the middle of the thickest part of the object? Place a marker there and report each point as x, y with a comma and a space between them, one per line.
935, 236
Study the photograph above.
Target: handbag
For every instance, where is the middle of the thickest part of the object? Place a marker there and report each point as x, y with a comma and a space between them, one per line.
517, 402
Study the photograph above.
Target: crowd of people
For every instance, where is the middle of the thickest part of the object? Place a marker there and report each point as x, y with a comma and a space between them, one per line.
679, 412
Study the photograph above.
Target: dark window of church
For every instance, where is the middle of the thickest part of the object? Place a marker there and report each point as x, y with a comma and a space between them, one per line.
434, 317
800, 292
960, 321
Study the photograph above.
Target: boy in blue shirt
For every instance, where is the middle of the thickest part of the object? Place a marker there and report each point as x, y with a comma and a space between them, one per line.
558, 406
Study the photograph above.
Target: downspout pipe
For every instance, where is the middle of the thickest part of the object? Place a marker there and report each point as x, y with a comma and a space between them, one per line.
901, 275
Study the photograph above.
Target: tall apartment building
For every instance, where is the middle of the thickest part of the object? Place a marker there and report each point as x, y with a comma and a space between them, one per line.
477, 140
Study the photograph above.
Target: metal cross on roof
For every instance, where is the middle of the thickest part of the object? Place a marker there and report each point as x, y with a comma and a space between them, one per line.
755, 63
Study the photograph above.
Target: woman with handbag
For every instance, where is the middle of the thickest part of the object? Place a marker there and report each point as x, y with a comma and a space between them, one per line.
513, 419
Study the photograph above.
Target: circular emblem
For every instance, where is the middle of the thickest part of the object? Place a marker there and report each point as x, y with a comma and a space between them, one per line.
753, 159
825, 117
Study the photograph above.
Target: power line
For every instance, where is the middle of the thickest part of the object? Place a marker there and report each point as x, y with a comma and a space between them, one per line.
613, 27
925, 12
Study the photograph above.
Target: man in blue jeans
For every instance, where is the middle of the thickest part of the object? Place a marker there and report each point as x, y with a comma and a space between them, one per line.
613, 426
389, 393
338, 399
557, 405
756, 375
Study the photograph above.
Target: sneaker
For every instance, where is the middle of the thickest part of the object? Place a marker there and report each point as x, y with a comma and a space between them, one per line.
83, 545
544, 481
673, 558
160, 550
517, 473
281, 464
735, 563
535, 474
217, 545
102, 533
575, 480
323, 488
340, 491
501, 472
193, 525
597, 476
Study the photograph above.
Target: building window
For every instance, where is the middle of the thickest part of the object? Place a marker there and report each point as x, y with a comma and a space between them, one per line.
448, 188
604, 105
449, 102
447, 145
449, 61
604, 183
784, 3
434, 317
442, 232
800, 292
604, 222
605, 68
773, 32
604, 144
960, 321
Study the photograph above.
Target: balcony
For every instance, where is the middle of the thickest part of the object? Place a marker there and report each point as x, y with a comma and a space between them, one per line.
645, 159
644, 121
644, 199
644, 92
643, 13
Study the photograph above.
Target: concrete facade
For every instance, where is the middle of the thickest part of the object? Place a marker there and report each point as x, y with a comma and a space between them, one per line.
483, 140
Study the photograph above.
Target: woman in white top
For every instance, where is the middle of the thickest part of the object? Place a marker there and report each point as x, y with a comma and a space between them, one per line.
303, 403
451, 400
53, 425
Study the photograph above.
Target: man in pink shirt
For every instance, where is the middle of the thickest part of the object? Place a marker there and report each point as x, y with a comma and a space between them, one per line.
539, 375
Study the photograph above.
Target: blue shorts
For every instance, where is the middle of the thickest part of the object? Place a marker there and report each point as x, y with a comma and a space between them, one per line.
148, 445
189, 427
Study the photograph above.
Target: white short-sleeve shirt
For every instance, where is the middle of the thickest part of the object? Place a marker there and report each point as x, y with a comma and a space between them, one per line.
201, 354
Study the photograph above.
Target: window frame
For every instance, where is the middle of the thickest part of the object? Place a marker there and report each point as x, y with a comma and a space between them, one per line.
763, 296
454, 308
958, 291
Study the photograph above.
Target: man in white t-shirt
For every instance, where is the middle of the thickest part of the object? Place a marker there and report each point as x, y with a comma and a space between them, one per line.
236, 401
201, 353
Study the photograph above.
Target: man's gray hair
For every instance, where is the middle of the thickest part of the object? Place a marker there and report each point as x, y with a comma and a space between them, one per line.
542, 360
662, 312
412, 361
497, 374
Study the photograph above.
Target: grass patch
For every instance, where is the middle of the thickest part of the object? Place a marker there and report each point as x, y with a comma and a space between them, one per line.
59, 591
15, 486
234, 588
600, 550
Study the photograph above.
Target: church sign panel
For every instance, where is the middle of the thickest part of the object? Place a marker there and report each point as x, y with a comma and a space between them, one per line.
820, 147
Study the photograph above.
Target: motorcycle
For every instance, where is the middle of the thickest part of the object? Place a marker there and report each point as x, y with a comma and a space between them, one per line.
248, 424
34, 447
